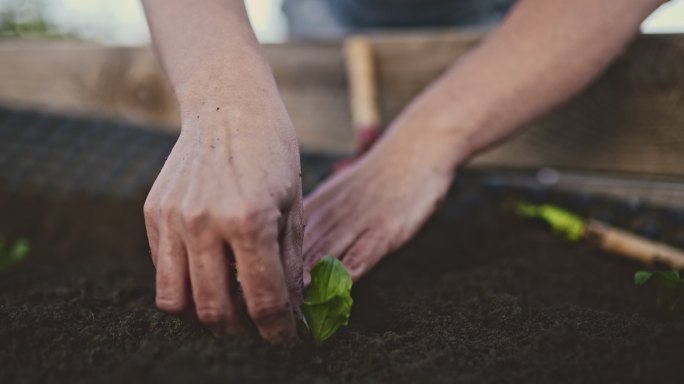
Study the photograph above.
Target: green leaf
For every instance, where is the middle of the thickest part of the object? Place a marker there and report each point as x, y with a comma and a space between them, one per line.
668, 279
641, 277
667, 284
9, 256
562, 222
328, 301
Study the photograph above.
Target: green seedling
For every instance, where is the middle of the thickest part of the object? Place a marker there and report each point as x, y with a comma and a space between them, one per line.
563, 222
328, 301
669, 287
11, 255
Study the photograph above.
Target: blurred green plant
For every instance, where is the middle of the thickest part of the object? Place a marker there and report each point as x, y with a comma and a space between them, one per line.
12, 255
27, 24
562, 222
668, 285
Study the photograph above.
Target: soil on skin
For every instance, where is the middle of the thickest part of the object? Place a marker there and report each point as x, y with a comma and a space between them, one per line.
477, 297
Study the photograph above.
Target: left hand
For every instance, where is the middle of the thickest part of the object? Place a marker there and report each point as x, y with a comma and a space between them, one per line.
373, 207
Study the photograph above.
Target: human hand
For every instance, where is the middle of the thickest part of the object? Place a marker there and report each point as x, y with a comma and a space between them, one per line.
377, 204
230, 196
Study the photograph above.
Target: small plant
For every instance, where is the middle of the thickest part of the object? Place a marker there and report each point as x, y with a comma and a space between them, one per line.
669, 287
11, 255
328, 301
563, 222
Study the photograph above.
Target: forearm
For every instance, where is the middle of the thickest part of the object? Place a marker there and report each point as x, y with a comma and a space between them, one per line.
210, 54
542, 54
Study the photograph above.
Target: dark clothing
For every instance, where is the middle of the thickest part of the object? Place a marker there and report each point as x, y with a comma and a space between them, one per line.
326, 18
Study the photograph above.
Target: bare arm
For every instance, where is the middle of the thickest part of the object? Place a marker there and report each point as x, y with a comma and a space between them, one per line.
542, 54
208, 49
230, 190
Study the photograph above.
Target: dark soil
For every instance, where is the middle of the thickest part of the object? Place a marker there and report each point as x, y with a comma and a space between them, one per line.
478, 297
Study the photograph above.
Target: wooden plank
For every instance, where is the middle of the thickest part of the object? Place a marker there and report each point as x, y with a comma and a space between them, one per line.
128, 83
408, 64
83, 78
629, 120
312, 82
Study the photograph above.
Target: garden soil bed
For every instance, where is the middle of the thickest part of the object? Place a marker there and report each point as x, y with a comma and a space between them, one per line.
478, 296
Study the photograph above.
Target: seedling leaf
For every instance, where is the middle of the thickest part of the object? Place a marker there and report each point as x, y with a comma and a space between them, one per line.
668, 287
328, 301
641, 277
11, 255
562, 222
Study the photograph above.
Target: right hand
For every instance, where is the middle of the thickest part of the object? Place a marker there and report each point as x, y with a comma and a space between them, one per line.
230, 190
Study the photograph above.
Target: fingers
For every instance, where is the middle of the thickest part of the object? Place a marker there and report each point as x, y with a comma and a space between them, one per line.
193, 270
262, 278
172, 283
323, 195
358, 244
333, 243
151, 212
364, 254
328, 231
291, 253
214, 297
318, 221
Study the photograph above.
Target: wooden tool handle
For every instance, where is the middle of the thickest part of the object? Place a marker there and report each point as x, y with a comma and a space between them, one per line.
633, 246
360, 62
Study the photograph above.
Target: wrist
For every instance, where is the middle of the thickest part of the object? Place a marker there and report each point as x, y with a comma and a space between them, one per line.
233, 110
229, 85
440, 134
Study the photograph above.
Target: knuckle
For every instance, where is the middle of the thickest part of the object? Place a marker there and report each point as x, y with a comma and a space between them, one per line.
355, 262
249, 221
170, 304
211, 314
195, 220
168, 213
269, 311
150, 210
